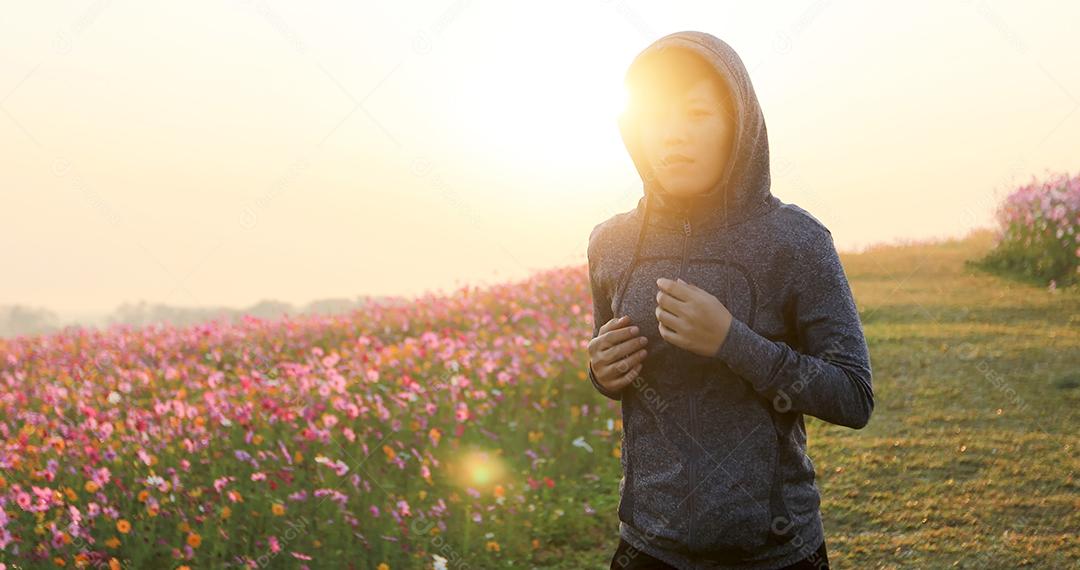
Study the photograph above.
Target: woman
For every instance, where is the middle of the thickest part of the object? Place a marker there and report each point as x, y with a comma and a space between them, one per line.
722, 315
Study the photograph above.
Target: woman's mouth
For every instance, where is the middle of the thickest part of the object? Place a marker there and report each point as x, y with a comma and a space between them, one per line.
676, 161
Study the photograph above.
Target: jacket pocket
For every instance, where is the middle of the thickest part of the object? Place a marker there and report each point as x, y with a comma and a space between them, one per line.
654, 496
732, 500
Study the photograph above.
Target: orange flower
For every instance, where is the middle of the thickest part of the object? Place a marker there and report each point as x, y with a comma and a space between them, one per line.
112, 542
492, 546
389, 451
143, 495
194, 540
59, 561
123, 526
114, 564
279, 509
226, 512
91, 487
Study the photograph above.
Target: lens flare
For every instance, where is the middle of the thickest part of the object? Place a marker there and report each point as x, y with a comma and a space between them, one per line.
479, 469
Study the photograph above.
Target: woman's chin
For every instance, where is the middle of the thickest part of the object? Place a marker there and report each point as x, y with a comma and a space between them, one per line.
680, 188
680, 182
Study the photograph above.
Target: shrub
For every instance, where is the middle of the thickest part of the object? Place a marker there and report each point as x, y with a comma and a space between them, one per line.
1038, 234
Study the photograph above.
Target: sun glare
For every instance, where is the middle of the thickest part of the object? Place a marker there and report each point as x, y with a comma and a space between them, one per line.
478, 469
539, 114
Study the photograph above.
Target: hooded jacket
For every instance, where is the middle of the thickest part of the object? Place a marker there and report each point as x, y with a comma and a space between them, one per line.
715, 469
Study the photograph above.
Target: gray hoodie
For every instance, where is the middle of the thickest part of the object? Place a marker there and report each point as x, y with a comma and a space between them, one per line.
715, 470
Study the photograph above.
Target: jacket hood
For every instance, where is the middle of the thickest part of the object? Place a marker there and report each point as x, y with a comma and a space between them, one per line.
743, 191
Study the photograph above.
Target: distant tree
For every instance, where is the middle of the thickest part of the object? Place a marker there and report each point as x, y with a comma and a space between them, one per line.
16, 320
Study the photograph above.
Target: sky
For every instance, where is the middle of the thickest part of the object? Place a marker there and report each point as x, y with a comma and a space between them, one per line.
223, 152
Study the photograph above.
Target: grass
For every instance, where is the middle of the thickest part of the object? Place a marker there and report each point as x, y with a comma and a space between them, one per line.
970, 459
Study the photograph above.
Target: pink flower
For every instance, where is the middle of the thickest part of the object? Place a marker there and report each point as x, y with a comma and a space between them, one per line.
462, 412
220, 482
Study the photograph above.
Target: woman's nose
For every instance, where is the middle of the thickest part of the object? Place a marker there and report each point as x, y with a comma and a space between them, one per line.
674, 134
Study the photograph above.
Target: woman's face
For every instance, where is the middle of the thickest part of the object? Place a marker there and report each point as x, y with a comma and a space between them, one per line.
687, 140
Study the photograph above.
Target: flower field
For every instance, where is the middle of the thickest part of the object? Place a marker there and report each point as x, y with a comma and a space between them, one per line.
403, 435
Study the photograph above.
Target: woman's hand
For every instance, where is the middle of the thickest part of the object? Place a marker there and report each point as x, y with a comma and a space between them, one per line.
616, 353
690, 317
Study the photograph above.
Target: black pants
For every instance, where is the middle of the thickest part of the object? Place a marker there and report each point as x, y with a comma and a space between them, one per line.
629, 558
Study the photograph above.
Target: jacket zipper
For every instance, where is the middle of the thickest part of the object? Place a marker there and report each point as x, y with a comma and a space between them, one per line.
687, 231
693, 476
685, 246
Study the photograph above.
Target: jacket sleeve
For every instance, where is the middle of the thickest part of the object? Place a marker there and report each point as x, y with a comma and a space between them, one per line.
831, 379
601, 312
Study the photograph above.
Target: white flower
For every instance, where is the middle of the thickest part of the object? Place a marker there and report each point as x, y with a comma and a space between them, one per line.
440, 562
114, 397
579, 441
